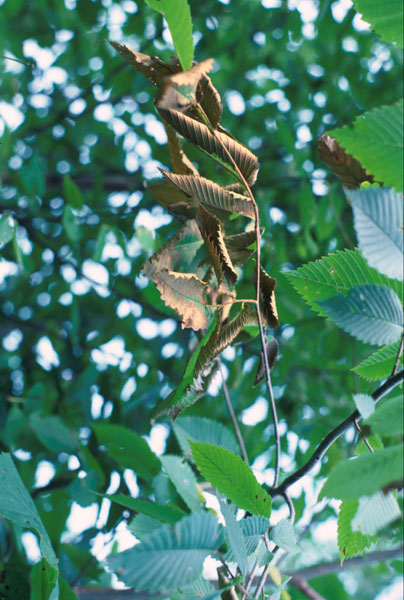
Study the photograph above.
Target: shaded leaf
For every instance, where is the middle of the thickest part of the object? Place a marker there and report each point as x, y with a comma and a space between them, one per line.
183, 479
241, 246
53, 433
198, 134
387, 23
232, 477
156, 4
170, 557
70, 225
142, 526
150, 66
388, 418
283, 535
253, 529
365, 475
234, 535
160, 512
181, 163
202, 429
346, 167
378, 217
178, 91
213, 233
210, 101
185, 293
272, 349
371, 313
375, 513
379, 364
7, 227
177, 203
178, 251
178, 17
211, 194
72, 192
376, 140
267, 298
350, 543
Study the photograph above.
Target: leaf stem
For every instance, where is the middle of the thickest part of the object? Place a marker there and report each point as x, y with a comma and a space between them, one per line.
399, 353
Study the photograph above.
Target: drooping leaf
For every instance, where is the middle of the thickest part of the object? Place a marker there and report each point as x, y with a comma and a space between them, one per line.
282, 535
365, 475
210, 101
183, 479
213, 233
181, 163
387, 23
350, 543
376, 140
232, 477
128, 448
375, 513
178, 252
150, 66
185, 293
211, 194
267, 298
371, 313
364, 404
170, 557
17, 505
178, 17
388, 418
241, 246
178, 91
234, 535
7, 227
379, 364
180, 205
348, 170
378, 217
202, 429
53, 433
271, 350
197, 133
333, 274
159, 512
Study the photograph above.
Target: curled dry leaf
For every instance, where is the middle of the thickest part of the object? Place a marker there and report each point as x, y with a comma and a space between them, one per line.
346, 167
180, 161
150, 66
185, 293
271, 349
209, 98
176, 202
178, 91
267, 298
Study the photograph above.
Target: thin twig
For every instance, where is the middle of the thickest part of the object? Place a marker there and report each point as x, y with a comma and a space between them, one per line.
359, 430
302, 585
291, 507
399, 353
334, 434
232, 414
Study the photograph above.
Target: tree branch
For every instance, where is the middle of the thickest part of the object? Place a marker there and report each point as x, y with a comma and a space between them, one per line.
331, 437
302, 585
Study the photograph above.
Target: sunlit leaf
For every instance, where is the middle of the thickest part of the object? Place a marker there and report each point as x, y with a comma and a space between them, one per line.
387, 23
178, 91
232, 477
350, 543
185, 293
211, 194
372, 314
170, 557
178, 17
202, 429
364, 404
365, 475
378, 217
379, 364
376, 140
346, 167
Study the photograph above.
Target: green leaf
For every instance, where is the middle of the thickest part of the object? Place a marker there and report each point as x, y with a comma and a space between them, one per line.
13, 583
387, 23
232, 477
211, 194
178, 17
7, 227
388, 417
378, 216
156, 4
142, 526
201, 589
376, 140
17, 505
282, 535
365, 404
183, 479
70, 225
53, 433
375, 513
350, 543
253, 529
379, 364
72, 193
365, 475
128, 448
170, 557
202, 429
234, 535
160, 512
43, 578
333, 274
371, 313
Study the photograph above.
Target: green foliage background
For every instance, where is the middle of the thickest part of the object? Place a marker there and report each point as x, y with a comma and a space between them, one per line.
74, 175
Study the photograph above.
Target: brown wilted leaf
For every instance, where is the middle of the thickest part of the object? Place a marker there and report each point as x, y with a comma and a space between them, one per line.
267, 298
239, 246
185, 293
347, 168
151, 67
212, 232
209, 99
271, 349
178, 91
176, 202
180, 161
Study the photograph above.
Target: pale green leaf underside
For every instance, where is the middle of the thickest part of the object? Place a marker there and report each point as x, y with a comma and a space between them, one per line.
202, 429
253, 528
364, 404
379, 364
376, 140
388, 419
170, 557
350, 543
370, 313
378, 217
183, 479
375, 513
7, 226
387, 23
232, 477
283, 535
336, 274
365, 475
234, 535
178, 16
